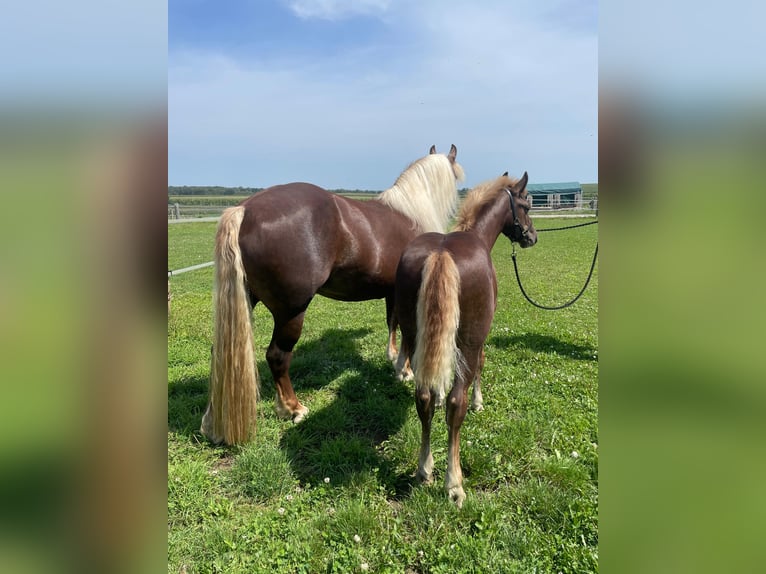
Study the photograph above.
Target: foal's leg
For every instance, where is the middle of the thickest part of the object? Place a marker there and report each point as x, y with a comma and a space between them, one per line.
279, 354
401, 359
403, 368
457, 404
477, 401
424, 401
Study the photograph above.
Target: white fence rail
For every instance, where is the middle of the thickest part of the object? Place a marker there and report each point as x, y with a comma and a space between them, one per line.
179, 212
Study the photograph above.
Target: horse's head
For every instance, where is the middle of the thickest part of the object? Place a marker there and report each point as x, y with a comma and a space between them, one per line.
518, 225
457, 169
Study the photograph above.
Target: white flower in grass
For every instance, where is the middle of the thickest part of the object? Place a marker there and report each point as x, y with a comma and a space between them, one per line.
420, 554
357, 539
281, 511
364, 566
327, 480
289, 497
575, 454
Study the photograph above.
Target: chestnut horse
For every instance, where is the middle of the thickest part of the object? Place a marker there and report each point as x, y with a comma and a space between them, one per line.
446, 294
287, 243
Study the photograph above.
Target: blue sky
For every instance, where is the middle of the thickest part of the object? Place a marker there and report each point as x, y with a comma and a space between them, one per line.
345, 93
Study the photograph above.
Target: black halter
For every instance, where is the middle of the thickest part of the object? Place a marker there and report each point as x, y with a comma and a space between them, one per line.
524, 230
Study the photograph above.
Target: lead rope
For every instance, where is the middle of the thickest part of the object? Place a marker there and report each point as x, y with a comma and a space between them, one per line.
587, 281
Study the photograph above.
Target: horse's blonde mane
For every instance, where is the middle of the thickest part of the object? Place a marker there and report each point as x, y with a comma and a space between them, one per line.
477, 198
426, 192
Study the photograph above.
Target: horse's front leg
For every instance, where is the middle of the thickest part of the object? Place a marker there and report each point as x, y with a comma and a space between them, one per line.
401, 361
392, 323
477, 401
279, 355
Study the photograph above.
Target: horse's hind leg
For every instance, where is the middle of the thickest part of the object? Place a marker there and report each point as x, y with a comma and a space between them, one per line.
424, 401
477, 401
279, 355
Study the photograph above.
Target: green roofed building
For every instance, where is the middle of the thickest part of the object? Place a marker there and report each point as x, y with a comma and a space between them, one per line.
566, 195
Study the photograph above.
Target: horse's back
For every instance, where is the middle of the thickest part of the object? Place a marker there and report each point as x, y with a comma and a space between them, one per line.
286, 235
299, 239
469, 253
478, 284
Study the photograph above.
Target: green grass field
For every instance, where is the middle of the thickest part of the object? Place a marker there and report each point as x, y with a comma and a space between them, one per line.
335, 493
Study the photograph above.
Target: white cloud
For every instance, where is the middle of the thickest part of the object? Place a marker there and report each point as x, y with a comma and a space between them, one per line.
512, 94
337, 9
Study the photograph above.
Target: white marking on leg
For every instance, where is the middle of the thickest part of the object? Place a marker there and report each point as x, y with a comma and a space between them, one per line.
453, 483
477, 401
300, 415
403, 371
426, 464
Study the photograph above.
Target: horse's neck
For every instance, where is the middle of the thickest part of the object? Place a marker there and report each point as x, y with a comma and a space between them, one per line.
489, 223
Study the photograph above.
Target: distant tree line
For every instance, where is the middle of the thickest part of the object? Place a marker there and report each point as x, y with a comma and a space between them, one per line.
210, 190
213, 190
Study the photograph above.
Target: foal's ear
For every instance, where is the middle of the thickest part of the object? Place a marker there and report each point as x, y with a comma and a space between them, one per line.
452, 153
432, 150
522, 183
505, 174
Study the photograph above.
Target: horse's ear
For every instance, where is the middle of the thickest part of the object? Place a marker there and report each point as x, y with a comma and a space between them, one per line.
522, 183
505, 174
432, 150
452, 153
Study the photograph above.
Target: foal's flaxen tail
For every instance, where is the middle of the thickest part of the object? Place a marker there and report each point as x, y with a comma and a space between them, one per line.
436, 353
230, 416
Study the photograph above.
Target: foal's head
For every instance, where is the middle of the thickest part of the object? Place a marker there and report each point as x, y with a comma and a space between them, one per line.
518, 225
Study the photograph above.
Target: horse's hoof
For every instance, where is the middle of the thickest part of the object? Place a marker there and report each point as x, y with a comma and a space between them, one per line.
206, 428
424, 478
457, 495
406, 375
286, 414
300, 415
477, 408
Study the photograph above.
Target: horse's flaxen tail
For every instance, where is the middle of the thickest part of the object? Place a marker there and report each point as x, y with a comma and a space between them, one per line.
231, 411
436, 354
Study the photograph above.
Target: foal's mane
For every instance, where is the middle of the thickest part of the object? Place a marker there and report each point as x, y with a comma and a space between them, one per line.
426, 192
477, 198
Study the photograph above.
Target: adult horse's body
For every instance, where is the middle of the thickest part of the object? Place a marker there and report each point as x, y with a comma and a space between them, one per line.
286, 244
446, 294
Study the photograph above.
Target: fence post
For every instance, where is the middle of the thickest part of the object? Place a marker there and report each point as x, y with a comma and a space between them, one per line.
177, 209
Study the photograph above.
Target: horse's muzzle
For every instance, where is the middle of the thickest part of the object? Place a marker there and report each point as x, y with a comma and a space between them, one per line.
529, 238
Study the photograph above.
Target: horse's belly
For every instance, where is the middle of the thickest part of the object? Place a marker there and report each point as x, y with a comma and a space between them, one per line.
349, 288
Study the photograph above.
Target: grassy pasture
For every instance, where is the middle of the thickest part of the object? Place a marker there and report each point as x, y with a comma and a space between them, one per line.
530, 459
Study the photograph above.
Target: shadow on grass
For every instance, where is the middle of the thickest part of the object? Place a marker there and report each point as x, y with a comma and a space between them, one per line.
544, 344
187, 399
339, 440
315, 364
